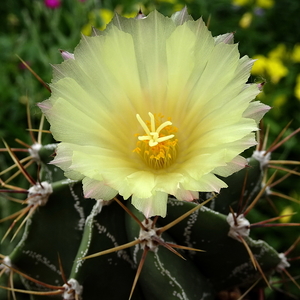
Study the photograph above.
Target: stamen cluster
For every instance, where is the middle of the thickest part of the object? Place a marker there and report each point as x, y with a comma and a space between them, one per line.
158, 147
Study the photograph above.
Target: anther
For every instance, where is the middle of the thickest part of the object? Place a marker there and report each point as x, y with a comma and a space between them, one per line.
156, 147
153, 135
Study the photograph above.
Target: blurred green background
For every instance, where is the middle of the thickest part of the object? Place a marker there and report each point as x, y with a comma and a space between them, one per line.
267, 30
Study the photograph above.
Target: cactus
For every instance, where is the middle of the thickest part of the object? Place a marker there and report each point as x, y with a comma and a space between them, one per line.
71, 247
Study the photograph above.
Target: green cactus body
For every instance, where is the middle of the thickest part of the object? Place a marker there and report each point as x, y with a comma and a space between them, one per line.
109, 276
52, 233
162, 275
72, 227
246, 181
225, 261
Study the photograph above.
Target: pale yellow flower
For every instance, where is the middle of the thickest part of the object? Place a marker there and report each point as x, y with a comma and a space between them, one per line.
260, 64
265, 3
288, 211
295, 56
241, 2
280, 52
280, 100
152, 107
104, 14
276, 69
168, 1
246, 20
297, 87
271, 66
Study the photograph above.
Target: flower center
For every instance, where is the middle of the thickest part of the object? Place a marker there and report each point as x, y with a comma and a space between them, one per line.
158, 147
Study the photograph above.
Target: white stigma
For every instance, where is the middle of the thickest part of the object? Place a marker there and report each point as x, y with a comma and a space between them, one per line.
153, 135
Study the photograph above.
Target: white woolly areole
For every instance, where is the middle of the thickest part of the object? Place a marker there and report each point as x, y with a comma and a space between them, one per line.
242, 228
6, 264
34, 151
268, 190
283, 263
262, 158
72, 288
39, 193
146, 236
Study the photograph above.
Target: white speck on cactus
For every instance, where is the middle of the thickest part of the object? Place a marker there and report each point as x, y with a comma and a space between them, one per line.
7, 261
69, 181
262, 157
34, 151
192, 219
39, 193
50, 146
179, 291
39, 258
283, 263
6, 265
72, 288
242, 228
99, 205
268, 191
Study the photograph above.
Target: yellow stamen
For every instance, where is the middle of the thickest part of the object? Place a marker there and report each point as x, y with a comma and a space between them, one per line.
157, 147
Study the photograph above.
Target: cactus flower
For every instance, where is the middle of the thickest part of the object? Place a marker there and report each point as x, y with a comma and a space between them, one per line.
150, 107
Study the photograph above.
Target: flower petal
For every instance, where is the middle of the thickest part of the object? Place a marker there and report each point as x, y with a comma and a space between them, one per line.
97, 189
155, 205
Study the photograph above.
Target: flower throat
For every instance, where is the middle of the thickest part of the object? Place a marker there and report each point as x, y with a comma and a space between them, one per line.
158, 147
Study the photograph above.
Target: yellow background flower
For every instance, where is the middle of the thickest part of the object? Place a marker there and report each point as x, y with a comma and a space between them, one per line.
272, 64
